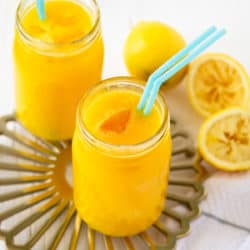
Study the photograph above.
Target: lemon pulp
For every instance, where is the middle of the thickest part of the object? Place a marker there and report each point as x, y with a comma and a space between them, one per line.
217, 81
224, 140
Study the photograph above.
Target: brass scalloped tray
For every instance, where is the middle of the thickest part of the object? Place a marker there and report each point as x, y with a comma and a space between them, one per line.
37, 211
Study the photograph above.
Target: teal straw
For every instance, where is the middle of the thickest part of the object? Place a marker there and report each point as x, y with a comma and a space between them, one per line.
171, 62
41, 9
165, 71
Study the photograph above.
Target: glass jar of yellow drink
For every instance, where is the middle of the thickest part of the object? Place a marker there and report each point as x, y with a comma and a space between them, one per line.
120, 158
55, 62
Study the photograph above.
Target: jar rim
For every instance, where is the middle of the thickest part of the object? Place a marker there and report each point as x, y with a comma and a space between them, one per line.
85, 39
123, 148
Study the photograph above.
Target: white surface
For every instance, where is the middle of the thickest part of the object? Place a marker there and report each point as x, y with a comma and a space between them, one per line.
228, 198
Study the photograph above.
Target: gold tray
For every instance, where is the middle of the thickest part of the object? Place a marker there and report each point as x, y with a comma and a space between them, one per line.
36, 207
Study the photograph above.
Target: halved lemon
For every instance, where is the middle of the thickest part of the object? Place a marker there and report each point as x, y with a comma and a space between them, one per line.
224, 140
217, 81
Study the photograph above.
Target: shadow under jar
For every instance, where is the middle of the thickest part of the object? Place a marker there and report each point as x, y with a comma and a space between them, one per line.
55, 61
121, 158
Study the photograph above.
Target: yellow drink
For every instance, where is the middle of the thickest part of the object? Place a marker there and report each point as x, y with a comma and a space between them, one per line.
55, 62
120, 159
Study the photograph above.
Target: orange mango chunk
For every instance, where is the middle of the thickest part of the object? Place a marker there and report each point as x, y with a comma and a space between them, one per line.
117, 122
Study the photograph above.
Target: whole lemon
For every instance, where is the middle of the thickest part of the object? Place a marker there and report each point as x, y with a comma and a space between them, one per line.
148, 46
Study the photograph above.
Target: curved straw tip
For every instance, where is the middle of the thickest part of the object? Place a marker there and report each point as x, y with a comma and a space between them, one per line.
213, 27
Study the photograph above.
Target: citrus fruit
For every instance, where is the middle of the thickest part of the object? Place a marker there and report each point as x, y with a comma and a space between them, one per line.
148, 46
224, 140
217, 81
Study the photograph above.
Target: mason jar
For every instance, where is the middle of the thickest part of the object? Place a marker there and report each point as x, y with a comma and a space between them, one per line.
55, 62
119, 189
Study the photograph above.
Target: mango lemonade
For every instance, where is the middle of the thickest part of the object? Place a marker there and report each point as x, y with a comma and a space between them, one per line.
120, 159
55, 62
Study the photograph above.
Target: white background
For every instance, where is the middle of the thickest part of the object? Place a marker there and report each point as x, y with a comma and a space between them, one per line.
190, 17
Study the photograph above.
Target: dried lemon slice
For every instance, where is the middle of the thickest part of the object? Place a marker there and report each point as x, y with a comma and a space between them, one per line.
224, 140
217, 81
